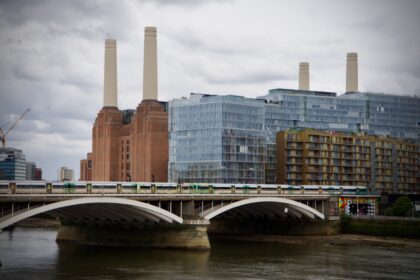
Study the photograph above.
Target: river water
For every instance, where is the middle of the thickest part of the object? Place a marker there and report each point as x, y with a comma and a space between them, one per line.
34, 254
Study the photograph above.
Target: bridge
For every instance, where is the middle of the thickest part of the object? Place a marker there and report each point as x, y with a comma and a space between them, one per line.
166, 215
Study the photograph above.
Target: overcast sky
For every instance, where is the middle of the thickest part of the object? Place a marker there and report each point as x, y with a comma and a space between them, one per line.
51, 57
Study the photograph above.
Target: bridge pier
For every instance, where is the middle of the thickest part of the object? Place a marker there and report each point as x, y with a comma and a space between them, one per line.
190, 235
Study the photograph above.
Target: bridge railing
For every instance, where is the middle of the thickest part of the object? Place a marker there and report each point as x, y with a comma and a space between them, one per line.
63, 188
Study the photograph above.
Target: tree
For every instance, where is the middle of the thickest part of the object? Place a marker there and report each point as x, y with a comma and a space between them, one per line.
402, 206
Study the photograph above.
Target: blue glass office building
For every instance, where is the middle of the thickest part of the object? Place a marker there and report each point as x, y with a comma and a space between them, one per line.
12, 164
219, 139
392, 115
231, 139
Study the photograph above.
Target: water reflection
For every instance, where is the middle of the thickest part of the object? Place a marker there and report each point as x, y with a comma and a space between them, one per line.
33, 254
116, 263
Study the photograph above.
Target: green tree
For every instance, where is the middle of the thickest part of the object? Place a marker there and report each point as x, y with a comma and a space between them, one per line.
402, 206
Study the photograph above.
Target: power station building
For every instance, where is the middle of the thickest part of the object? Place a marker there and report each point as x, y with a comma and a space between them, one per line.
129, 145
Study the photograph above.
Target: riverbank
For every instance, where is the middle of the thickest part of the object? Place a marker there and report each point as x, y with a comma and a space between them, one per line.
328, 240
400, 227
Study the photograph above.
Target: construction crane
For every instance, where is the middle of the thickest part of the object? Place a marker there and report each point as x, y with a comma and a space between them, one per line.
4, 134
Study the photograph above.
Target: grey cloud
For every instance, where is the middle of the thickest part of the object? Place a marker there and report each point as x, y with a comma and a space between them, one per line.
217, 44
188, 3
51, 56
22, 74
76, 17
256, 77
412, 69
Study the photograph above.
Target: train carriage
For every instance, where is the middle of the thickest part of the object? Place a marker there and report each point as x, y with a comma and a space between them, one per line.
4, 187
98, 187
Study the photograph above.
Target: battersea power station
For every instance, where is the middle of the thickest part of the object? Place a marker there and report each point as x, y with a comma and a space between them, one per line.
286, 136
129, 145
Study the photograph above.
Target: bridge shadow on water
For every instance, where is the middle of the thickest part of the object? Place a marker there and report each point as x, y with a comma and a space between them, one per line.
96, 262
33, 254
99, 262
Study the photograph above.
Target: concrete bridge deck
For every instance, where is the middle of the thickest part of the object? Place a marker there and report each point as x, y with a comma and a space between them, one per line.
161, 213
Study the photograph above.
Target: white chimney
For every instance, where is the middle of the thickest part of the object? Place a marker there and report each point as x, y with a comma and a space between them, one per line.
304, 76
150, 84
110, 74
352, 80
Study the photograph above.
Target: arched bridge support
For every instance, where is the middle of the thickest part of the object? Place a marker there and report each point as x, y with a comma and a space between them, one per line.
265, 206
264, 215
114, 221
172, 223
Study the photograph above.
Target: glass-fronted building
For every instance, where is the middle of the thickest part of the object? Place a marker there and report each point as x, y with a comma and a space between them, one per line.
390, 115
231, 139
219, 139
30, 170
12, 164
288, 108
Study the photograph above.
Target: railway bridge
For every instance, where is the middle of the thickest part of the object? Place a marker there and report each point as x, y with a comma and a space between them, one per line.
168, 215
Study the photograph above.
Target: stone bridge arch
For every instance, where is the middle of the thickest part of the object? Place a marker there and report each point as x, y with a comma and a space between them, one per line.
107, 208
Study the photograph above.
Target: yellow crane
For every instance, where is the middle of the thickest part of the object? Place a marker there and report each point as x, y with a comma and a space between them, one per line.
4, 134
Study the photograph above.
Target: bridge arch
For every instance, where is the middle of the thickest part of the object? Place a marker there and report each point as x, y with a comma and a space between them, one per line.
296, 208
143, 209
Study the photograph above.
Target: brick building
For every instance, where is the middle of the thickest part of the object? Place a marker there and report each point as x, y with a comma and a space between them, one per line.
130, 145
86, 168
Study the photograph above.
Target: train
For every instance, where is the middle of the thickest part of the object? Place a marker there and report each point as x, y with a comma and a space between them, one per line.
82, 187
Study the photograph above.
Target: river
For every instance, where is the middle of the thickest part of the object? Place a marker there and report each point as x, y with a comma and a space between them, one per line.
34, 254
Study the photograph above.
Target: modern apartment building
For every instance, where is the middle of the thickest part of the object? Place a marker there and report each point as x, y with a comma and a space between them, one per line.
313, 157
373, 113
218, 139
12, 164
65, 174
33, 173
288, 108
391, 115
233, 139
30, 170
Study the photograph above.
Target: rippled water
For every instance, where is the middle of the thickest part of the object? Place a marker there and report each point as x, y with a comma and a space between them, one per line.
33, 254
